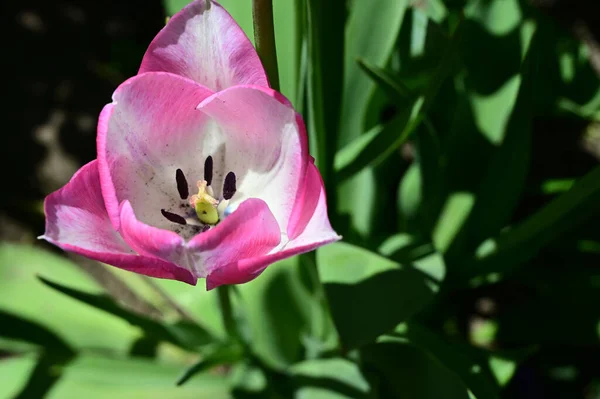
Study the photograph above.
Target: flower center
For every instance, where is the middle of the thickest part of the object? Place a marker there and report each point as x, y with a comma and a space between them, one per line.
202, 210
204, 204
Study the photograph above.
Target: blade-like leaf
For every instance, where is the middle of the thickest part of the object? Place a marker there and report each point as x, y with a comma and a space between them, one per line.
280, 313
377, 144
16, 327
325, 24
374, 43
55, 355
329, 379
96, 377
184, 334
395, 90
512, 248
23, 295
221, 354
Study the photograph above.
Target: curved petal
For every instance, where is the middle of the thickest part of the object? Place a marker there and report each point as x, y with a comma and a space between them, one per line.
202, 42
248, 232
149, 131
265, 145
77, 221
310, 230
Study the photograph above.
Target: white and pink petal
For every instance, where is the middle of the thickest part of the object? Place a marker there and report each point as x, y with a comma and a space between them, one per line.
203, 43
264, 143
77, 221
149, 131
249, 232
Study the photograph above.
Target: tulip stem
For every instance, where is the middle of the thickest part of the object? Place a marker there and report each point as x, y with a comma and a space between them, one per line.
264, 38
224, 293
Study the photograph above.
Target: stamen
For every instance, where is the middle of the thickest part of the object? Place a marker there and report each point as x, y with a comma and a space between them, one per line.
208, 170
229, 186
172, 217
182, 185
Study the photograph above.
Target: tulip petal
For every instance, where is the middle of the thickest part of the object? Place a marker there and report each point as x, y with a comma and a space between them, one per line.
310, 230
202, 42
149, 131
77, 221
248, 232
265, 145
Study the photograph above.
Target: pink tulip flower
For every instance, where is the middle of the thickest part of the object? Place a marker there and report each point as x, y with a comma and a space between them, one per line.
202, 170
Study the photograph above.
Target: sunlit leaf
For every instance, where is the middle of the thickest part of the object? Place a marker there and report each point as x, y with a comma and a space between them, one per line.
93, 376
280, 312
14, 373
377, 144
374, 43
184, 334
369, 290
329, 379
54, 354
77, 324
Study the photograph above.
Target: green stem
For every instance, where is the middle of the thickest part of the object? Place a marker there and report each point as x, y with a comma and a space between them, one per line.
264, 38
224, 292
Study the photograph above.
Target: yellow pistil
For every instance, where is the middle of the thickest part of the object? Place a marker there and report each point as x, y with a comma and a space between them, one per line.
204, 204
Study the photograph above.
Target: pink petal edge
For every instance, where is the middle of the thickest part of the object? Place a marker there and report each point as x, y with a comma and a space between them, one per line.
154, 121
248, 232
308, 234
205, 44
77, 221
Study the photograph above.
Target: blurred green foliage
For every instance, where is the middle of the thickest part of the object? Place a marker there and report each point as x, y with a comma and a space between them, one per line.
458, 142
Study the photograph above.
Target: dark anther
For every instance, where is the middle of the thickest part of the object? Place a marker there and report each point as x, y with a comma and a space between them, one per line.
172, 217
182, 185
229, 186
208, 169
205, 228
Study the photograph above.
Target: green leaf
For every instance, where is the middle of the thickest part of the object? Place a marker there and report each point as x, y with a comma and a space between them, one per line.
491, 129
501, 187
286, 32
325, 24
492, 112
55, 355
367, 290
499, 17
184, 334
92, 376
395, 90
374, 43
401, 370
329, 379
16, 327
14, 374
279, 312
77, 324
220, 354
377, 144
508, 251
454, 214
560, 307
469, 364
